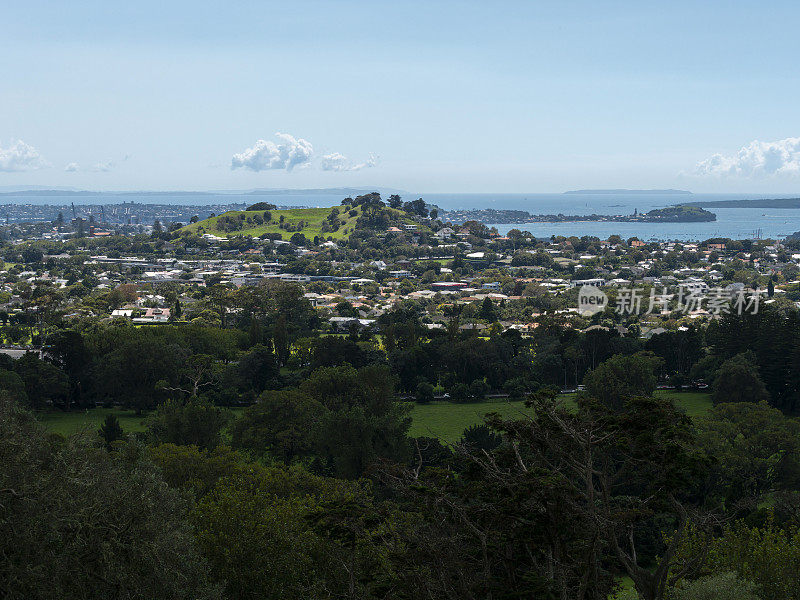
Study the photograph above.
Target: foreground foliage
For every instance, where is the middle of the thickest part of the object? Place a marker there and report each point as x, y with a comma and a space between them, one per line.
79, 522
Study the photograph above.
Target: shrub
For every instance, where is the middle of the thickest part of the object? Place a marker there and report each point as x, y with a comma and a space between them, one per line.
722, 586
424, 392
459, 393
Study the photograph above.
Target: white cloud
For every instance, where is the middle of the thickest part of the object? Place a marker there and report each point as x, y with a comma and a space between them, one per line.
104, 166
757, 159
20, 156
339, 162
72, 167
288, 153
333, 162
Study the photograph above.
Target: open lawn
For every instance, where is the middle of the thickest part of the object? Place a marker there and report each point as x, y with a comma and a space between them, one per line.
67, 423
447, 420
694, 403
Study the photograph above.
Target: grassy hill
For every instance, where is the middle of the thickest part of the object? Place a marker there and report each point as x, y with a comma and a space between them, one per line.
312, 219
680, 214
285, 222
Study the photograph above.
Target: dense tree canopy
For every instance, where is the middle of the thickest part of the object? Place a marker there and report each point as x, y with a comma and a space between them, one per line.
78, 522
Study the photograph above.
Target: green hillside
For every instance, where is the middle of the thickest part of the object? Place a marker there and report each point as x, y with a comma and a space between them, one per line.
284, 222
311, 222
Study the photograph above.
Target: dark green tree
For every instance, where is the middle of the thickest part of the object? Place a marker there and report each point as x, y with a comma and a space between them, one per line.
110, 431
756, 450
279, 425
622, 378
424, 392
257, 370
487, 310
261, 206
280, 339
66, 348
477, 438
738, 380
45, 384
360, 421
194, 422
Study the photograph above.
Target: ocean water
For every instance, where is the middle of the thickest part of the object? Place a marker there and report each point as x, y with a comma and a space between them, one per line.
737, 223
731, 222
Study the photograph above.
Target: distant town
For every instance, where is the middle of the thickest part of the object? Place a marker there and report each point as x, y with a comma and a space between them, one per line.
674, 214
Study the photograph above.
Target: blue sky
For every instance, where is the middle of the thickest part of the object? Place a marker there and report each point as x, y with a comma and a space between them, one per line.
426, 96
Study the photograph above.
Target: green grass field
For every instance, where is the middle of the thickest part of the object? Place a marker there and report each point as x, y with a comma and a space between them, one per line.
313, 217
694, 403
91, 419
447, 420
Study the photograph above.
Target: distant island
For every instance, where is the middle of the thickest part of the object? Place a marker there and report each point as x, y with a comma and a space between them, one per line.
754, 203
679, 214
676, 192
671, 214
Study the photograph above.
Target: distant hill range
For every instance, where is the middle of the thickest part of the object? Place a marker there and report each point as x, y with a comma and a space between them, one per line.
57, 192
343, 192
754, 203
49, 193
31, 188
634, 192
